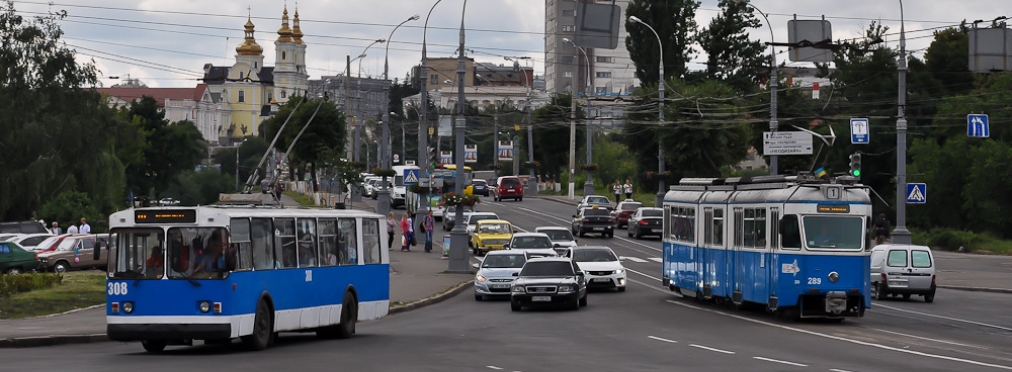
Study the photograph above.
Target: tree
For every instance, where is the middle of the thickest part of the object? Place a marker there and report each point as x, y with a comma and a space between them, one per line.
251, 150
675, 23
947, 58
731, 56
326, 131
170, 150
69, 207
551, 134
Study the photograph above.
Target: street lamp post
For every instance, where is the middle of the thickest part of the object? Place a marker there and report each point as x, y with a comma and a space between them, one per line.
458, 237
588, 186
423, 123
530, 134
659, 198
774, 83
378, 41
901, 235
383, 195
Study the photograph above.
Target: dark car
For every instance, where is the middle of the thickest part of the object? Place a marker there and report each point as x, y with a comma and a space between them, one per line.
549, 281
508, 187
593, 220
480, 187
23, 227
623, 210
16, 260
646, 221
594, 200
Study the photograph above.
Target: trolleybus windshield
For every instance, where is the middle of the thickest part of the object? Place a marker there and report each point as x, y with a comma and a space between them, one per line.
834, 232
139, 254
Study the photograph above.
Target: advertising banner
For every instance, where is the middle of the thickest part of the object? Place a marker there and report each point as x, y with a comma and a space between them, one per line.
505, 151
446, 157
470, 153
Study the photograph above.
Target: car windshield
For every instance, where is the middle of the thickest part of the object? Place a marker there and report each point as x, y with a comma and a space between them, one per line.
594, 255
836, 233
631, 206
532, 242
653, 213
558, 235
473, 220
66, 244
137, 254
480, 183
598, 200
595, 212
504, 261
547, 268
494, 228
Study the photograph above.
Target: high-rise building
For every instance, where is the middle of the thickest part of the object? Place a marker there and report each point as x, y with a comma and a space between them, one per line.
611, 71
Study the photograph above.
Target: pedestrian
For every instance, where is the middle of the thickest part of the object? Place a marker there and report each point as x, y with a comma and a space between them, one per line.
616, 188
881, 229
277, 191
390, 231
72, 229
430, 224
264, 185
411, 226
628, 189
405, 233
85, 227
55, 230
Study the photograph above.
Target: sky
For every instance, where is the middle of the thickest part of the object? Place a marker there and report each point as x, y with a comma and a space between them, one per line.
166, 43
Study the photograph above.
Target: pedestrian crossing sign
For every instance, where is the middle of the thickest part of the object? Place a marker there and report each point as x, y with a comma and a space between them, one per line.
410, 176
917, 193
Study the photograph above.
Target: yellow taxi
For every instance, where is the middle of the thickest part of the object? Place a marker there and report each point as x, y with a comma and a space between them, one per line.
490, 235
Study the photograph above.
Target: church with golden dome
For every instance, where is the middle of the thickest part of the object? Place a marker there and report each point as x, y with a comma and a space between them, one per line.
249, 91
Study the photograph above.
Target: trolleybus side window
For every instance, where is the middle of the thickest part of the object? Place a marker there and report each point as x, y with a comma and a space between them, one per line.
198, 251
370, 241
329, 253
262, 233
138, 253
241, 247
347, 239
307, 242
790, 231
284, 242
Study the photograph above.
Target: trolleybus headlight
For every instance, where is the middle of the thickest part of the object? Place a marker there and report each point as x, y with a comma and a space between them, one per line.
205, 306
128, 307
833, 277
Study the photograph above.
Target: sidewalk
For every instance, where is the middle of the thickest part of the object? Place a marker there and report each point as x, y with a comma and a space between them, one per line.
416, 279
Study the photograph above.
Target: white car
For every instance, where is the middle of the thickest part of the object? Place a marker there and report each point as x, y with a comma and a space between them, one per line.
561, 237
600, 265
168, 202
535, 244
30, 241
473, 218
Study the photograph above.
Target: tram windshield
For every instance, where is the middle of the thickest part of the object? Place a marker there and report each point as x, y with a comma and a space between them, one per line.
834, 233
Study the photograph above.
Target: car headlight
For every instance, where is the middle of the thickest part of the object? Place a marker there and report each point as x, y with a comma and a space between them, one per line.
519, 289
619, 271
565, 289
480, 278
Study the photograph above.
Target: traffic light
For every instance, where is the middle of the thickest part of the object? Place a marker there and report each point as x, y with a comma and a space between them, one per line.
432, 156
855, 164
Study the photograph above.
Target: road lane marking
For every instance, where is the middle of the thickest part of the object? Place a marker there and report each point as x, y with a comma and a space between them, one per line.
928, 339
712, 349
839, 370
494, 367
781, 361
945, 317
662, 339
648, 276
656, 259
633, 259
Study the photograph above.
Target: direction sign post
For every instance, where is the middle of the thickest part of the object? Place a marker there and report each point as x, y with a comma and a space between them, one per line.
859, 133
917, 193
787, 143
977, 126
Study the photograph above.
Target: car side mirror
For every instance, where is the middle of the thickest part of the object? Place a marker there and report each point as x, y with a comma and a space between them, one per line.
579, 273
475, 265
516, 274
574, 216
97, 252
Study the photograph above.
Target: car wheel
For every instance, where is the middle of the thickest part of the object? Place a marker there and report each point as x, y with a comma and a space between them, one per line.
576, 305
638, 235
906, 296
478, 297
930, 297
520, 199
880, 292
61, 267
583, 301
154, 346
515, 306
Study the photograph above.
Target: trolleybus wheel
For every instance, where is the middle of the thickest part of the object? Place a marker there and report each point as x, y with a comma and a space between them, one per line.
349, 315
154, 346
263, 328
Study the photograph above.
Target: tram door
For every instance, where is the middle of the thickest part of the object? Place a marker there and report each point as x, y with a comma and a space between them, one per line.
737, 261
774, 255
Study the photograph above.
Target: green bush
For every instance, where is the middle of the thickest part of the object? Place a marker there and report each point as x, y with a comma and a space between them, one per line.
952, 239
11, 284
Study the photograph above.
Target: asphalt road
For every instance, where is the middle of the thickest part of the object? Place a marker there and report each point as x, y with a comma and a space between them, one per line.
646, 328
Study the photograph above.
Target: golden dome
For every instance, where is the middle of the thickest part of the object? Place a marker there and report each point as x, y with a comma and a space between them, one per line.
285, 33
249, 47
296, 30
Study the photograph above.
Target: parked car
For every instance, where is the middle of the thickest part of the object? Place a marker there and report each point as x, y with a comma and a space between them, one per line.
508, 187
16, 260
902, 269
495, 273
593, 220
623, 210
50, 244
601, 266
594, 200
646, 221
561, 237
74, 253
491, 235
167, 202
23, 227
535, 244
549, 281
9, 236
30, 241
480, 187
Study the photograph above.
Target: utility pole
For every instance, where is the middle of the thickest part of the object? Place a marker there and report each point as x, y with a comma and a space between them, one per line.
458, 237
901, 235
572, 126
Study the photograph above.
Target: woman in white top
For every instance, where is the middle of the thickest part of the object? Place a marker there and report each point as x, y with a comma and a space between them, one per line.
628, 189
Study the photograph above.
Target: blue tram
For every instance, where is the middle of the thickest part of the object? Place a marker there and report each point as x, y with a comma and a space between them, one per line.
796, 245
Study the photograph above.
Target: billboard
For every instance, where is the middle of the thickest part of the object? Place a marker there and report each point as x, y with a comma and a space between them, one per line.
446, 157
470, 153
505, 150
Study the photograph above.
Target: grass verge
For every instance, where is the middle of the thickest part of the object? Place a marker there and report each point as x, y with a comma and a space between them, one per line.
303, 200
78, 289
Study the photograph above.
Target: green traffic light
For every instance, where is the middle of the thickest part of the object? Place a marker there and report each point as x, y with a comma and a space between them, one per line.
857, 173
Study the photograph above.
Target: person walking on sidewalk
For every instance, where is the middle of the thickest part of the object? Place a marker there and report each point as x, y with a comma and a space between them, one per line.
405, 233
391, 222
617, 190
628, 189
429, 223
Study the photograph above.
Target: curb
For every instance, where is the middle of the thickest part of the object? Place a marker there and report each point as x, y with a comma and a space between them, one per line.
436, 298
52, 340
976, 289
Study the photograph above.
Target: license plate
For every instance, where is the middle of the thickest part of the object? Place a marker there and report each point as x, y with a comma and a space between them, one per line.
500, 286
598, 229
602, 279
541, 298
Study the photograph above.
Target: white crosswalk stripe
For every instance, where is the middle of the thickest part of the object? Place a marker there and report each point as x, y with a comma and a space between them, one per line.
633, 259
656, 259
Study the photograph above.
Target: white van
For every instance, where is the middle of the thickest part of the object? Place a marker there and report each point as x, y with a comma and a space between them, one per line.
901, 269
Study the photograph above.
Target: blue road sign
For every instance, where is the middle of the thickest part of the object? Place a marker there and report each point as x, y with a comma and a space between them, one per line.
410, 176
977, 126
859, 133
917, 193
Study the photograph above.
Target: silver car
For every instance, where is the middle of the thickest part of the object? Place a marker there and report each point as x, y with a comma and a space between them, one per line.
535, 244
450, 214
561, 237
496, 273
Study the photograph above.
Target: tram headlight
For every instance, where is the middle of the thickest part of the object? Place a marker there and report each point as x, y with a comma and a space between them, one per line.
834, 277
128, 307
205, 306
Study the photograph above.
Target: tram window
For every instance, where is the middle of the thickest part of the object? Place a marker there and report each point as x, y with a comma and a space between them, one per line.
307, 242
718, 227
328, 243
347, 240
262, 235
240, 248
370, 241
748, 228
790, 232
284, 243
683, 222
707, 226
760, 234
